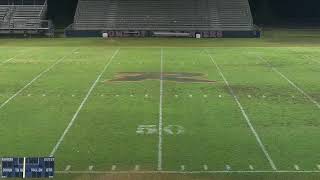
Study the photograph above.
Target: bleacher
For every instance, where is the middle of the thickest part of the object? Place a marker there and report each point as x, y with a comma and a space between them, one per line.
3, 12
163, 15
22, 16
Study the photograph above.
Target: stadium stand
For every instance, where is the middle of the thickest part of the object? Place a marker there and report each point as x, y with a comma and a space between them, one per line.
27, 17
210, 18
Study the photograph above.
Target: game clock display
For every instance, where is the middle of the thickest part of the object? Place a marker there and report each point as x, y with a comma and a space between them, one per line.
27, 167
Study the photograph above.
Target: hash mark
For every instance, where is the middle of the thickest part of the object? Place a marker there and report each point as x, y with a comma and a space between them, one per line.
90, 168
114, 167
137, 168
182, 167
205, 167
68, 167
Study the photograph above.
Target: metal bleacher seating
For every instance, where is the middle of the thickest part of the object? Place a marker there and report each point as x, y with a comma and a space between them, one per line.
22, 15
179, 15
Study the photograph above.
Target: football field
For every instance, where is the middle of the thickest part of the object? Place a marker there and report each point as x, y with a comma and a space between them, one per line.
193, 111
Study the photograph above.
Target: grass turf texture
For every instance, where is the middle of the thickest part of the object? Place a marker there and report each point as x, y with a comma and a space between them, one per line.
215, 133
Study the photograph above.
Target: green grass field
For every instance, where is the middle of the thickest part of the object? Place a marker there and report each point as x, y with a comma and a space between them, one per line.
165, 108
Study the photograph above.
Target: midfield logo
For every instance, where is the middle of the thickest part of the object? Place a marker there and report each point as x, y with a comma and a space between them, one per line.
181, 77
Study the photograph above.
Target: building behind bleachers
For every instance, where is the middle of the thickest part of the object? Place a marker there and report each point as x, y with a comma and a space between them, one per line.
24, 16
210, 18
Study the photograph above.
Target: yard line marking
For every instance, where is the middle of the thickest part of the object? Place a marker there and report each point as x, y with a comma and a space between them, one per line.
82, 104
90, 168
35, 79
251, 167
290, 82
182, 167
10, 59
205, 167
160, 114
185, 172
68, 167
311, 58
114, 167
137, 168
296, 167
263, 148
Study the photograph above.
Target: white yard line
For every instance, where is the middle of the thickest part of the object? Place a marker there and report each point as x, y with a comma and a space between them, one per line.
160, 115
184, 172
19, 54
290, 82
10, 59
312, 59
263, 148
34, 79
82, 104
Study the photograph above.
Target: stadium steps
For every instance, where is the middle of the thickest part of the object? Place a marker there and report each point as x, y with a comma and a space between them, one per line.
163, 14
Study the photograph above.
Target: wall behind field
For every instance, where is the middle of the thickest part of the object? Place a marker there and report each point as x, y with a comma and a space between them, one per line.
264, 11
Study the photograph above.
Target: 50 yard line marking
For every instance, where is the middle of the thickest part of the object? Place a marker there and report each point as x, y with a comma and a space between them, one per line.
160, 114
290, 82
263, 148
55, 148
35, 79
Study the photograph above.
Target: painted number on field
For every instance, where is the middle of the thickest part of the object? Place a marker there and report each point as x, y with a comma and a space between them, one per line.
153, 129
147, 129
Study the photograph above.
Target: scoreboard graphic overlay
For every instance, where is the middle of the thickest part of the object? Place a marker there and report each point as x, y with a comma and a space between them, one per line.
27, 167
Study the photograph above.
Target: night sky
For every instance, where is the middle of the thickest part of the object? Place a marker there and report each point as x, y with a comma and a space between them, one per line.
264, 11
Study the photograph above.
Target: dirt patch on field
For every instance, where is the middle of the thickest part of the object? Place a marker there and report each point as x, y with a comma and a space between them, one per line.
181, 77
